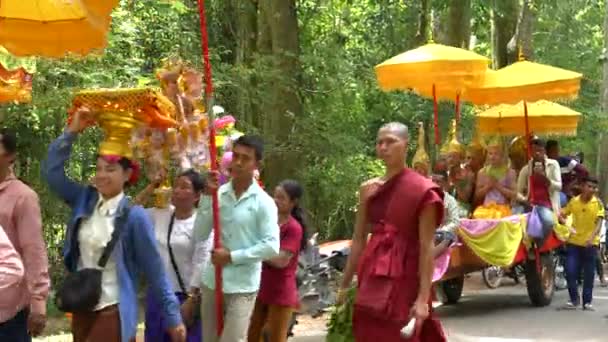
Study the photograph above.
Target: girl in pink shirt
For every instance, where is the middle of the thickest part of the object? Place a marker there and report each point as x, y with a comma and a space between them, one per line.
278, 295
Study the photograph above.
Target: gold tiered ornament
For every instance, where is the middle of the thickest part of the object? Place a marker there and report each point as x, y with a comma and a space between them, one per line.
127, 114
421, 161
15, 85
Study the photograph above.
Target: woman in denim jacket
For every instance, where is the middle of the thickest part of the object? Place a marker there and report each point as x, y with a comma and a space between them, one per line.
96, 210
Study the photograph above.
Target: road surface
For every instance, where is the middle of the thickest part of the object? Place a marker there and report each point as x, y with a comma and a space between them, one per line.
505, 315
501, 315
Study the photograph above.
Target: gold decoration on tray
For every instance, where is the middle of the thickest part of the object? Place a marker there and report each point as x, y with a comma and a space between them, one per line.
120, 111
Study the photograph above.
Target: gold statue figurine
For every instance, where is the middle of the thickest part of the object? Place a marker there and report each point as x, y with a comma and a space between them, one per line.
421, 161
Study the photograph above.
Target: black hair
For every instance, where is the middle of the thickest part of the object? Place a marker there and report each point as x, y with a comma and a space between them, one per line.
537, 142
254, 142
125, 163
295, 192
198, 181
551, 144
590, 179
8, 139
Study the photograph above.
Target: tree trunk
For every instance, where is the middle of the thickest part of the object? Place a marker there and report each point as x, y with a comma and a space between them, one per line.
602, 164
246, 46
279, 32
504, 22
423, 23
522, 39
458, 24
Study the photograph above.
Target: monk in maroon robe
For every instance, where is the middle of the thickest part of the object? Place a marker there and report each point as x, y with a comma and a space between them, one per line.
394, 268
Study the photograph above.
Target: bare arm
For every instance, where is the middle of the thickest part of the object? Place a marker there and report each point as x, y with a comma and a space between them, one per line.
522, 184
509, 191
281, 260
426, 231
481, 188
464, 188
362, 229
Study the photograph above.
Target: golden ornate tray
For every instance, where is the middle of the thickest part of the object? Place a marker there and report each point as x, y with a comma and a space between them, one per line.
120, 111
138, 101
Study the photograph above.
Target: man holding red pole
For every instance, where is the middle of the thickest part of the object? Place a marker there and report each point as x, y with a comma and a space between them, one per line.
250, 234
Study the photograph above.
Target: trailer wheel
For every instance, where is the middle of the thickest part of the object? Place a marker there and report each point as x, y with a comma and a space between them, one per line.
450, 290
541, 286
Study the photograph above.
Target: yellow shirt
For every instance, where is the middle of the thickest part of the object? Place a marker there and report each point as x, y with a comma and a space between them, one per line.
584, 219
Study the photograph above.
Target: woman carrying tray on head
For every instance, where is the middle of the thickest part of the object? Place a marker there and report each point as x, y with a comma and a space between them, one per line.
395, 267
182, 257
100, 215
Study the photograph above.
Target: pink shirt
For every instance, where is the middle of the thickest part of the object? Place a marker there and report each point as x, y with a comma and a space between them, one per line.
278, 286
20, 218
11, 267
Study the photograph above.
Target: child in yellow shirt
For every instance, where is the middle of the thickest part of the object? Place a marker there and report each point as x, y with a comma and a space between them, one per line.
587, 214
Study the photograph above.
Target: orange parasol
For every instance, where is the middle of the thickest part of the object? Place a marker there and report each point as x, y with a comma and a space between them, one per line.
53, 28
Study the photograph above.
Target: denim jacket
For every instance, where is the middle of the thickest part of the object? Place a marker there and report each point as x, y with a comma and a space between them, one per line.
135, 251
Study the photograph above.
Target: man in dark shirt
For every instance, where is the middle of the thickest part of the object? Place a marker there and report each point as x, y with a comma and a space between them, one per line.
572, 171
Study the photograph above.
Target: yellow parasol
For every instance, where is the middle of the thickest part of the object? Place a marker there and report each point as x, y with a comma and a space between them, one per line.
433, 70
544, 117
446, 67
53, 28
525, 81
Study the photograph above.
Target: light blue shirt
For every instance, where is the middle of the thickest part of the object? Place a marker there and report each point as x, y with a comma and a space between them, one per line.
250, 230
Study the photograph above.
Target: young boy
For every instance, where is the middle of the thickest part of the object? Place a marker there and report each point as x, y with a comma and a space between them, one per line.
587, 214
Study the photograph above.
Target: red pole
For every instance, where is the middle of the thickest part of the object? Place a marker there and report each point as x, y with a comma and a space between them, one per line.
457, 108
531, 183
436, 117
217, 242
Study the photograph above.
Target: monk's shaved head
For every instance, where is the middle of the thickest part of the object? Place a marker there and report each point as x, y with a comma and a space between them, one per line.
397, 128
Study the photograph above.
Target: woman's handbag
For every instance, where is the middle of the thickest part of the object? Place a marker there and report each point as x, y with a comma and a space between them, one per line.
197, 301
81, 290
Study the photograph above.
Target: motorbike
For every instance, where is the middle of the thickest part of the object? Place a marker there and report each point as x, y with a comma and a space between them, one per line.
493, 275
319, 268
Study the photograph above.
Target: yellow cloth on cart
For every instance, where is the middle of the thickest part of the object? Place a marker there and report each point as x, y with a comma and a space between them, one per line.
498, 245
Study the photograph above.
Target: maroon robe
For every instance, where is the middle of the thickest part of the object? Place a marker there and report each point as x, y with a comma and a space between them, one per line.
388, 279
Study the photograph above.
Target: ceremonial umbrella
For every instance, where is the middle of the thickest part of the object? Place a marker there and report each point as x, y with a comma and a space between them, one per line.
433, 70
52, 28
524, 81
544, 117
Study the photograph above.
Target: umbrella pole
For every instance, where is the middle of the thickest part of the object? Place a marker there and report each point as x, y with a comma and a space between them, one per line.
457, 108
436, 117
531, 183
217, 242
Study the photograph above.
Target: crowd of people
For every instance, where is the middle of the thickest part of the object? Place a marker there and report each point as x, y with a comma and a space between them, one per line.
111, 240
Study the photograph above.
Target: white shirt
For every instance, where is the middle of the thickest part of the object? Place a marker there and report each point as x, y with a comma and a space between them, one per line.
603, 231
190, 257
94, 234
